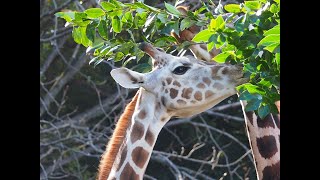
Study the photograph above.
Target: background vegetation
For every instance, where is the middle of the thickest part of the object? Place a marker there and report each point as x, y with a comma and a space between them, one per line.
80, 102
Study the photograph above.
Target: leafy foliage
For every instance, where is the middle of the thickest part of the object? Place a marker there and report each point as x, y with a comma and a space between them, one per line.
247, 33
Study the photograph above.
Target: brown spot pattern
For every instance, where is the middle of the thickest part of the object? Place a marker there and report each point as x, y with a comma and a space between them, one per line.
249, 115
169, 80
198, 96
166, 91
271, 172
225, 70
217, 78
140, 156
266, 122
176, 83
201, 86
163, 83
173, 93
208, 94
128, 173
206, 80
186, 93
193, 101
267, 146
214, 70
150, 137
218, 86
137, 132
181, 102
142, 114
123, 157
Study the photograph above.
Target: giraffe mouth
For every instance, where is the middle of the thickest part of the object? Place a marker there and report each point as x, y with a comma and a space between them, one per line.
242, 80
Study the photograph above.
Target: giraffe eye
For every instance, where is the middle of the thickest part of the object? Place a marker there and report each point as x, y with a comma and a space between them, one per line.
181, 70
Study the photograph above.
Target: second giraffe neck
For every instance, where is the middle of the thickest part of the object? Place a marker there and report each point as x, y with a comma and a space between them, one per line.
264, 138
135, 151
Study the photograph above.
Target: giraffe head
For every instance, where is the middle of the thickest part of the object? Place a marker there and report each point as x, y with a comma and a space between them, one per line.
184, 86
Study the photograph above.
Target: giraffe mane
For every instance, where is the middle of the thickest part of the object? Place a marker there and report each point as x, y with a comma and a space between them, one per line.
116, 140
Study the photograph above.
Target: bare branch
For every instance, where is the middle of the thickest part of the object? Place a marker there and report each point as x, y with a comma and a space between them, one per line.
50, 13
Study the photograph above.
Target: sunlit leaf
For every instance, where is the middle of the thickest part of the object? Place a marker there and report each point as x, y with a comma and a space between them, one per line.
203, 35
94, 12
172, 9
116, 24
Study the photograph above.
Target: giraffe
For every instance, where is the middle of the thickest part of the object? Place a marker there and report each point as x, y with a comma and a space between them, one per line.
263, 134
176, 87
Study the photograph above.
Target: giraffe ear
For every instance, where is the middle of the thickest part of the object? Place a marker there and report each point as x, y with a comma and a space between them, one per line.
127, 78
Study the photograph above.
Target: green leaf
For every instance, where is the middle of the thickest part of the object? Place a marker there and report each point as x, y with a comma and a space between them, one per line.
210, 46
198, 11
277, 1
172, 9
263, 111
253, 89
79, 16
233, 8
118, 4
278, 59
221, 58
102, 29
143, 68
253, 5
253, 104
239, 24
68, 16
116, 12
274, 30
186, 23
220, 24
84, 39
162, 17
128, 19
265, 83
94, 12
118, 56
274, 8
76, 34
213, 24
116, 24
91, 31
245, 95
203, 35
272, 47
107, 6
80, 37
270, 39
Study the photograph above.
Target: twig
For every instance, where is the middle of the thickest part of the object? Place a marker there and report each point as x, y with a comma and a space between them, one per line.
56, 9
226, 116
227, 106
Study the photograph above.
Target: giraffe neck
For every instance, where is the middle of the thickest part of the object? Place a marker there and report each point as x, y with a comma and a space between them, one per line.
135, 150
264, 138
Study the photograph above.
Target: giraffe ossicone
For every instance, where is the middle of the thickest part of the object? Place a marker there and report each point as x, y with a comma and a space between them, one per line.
176, 86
